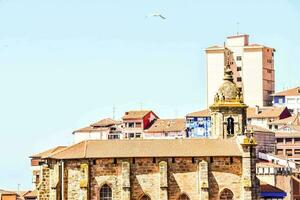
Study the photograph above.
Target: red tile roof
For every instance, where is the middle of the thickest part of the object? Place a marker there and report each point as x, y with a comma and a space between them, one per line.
167, 125
271, 112
140, 114
290, 92
265, 187
202, 113
48, 152
149, 148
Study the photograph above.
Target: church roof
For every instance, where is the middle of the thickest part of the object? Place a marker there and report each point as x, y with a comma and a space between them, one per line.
149, 148
48, 152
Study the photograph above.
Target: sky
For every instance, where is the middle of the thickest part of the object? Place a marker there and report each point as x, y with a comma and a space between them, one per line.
66, 64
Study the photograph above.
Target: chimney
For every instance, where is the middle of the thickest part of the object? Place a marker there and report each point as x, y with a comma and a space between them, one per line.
256, 109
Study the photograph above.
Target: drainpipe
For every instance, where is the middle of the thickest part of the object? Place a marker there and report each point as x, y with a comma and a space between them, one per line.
62, 179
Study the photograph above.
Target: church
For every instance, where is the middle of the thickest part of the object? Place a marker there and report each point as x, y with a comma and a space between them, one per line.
221, 168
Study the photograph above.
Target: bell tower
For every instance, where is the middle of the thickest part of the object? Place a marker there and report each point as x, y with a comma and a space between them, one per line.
228, 112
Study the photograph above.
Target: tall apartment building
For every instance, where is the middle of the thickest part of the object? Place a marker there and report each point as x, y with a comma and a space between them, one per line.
252, 66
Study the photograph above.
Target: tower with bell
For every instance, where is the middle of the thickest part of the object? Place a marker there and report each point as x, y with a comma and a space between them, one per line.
228, 112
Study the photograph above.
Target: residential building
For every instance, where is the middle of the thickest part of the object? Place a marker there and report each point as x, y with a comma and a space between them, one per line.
269, 192
198, 124
166, 129
8, 195
288, 142
263, 116
280, 174
289, 98
29, 195
104, 129
252, 66
135, 122
282, 123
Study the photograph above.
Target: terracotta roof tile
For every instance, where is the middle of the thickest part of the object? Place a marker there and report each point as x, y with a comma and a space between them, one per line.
290, 92
202, 113
281, 134
102, 125
136, 114
167, 125
264, 187
271, 112
48, 152
106, 123
258, 129
149, 148
295, 120
89, 129
6, 192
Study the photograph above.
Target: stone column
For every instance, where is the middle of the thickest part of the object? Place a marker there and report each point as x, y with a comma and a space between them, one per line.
126, 181
54, 180
84, 175
163, 179
203, 180
249, 186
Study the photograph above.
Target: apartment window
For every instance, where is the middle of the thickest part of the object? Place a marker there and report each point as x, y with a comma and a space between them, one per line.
279, 152
269, 71
138, 125
239, 68
297, 140
239, 79
288, 140
113, 136
239, 58
297, 151
289, 152
276, 127
270, 127
131, 135
279, 140
130, 125
291, 100
138, 135
269, 61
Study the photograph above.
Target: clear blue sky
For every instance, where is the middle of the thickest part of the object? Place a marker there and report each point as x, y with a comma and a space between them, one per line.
65, 64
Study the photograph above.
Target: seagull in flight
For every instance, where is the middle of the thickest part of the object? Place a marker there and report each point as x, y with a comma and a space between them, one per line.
156, 14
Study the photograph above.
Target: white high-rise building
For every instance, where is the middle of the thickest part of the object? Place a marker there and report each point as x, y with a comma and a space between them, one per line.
252, 66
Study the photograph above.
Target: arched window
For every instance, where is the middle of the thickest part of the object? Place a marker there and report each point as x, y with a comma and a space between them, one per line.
145, 197
183, 197
105, 193
226, 194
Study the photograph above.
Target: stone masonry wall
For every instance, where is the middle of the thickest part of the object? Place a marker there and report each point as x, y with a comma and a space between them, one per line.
159, 178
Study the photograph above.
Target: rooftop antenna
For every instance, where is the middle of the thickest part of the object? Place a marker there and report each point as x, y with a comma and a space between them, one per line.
141, 105
237, 28
19, 188
114, 112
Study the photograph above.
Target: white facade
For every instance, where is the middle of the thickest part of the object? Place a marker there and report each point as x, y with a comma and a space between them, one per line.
252, 66
292, 102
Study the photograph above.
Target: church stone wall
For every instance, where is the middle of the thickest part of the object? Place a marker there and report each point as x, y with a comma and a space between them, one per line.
159, 178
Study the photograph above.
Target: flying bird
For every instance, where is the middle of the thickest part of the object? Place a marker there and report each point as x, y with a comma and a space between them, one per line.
156, 15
